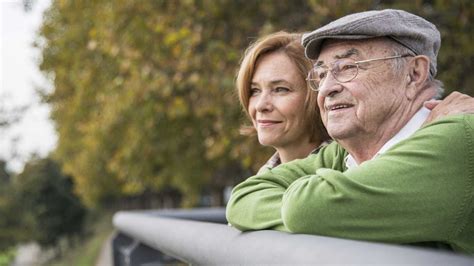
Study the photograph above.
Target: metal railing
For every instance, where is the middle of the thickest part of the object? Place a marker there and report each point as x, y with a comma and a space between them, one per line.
202, 237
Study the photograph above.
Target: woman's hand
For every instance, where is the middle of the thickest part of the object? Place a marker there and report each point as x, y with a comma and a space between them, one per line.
454, 103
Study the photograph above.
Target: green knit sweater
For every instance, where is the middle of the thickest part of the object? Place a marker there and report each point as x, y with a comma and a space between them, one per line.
420, 190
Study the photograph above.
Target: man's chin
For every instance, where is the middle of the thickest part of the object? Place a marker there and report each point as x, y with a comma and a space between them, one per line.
338, 132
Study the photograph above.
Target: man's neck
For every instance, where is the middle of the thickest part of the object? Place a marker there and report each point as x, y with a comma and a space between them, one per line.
365, 146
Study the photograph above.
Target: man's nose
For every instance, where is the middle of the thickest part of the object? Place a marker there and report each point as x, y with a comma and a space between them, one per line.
264, 103
329, 86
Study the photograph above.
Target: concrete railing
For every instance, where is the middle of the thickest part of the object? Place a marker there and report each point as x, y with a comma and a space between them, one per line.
158, 237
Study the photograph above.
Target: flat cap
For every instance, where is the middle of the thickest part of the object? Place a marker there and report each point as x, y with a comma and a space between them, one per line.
411, 31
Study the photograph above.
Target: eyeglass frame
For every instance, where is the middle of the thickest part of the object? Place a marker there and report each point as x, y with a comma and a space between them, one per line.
311, 81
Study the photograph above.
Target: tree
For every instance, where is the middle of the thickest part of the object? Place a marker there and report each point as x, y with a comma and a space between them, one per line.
9, 116
48, 204
10, 228
14, 225
144, 96
4, 174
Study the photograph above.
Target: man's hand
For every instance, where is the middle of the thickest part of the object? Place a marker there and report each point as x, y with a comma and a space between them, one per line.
455, 103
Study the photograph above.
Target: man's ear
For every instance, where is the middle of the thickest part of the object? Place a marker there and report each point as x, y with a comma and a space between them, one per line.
418, 71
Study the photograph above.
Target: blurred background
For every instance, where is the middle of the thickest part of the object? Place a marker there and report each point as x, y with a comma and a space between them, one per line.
135, 108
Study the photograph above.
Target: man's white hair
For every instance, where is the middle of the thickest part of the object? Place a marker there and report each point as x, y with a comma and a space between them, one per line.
399, 65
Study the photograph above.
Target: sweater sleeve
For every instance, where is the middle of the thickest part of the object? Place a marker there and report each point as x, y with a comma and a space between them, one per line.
420, 190
256, 203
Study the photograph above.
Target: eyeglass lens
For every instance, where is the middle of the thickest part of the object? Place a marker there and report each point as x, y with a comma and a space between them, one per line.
343, 70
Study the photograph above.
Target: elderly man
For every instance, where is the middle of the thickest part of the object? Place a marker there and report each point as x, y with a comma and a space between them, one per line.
387, 177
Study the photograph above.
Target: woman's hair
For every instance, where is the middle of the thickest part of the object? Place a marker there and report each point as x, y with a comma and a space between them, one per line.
290, 45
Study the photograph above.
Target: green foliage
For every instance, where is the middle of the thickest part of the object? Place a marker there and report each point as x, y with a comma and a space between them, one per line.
87, 250
144, 95
49, 208
12, 230
7, 256
4, 174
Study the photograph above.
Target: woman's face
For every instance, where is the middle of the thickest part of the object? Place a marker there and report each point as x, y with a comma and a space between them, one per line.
276, 104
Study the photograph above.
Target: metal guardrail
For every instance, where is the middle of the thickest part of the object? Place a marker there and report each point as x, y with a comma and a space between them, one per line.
158, 237
127, 250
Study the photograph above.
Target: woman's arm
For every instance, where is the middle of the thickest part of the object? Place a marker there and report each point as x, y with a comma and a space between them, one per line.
256, 203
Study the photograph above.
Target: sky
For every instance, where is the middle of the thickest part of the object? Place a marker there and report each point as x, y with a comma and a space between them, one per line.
20, 77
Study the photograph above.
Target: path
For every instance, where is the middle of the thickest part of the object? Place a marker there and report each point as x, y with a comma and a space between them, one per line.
105, 256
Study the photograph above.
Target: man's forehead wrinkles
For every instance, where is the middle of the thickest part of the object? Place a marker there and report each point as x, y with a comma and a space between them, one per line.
345, 54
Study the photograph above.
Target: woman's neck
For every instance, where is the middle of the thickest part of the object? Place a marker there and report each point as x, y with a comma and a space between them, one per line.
291, 153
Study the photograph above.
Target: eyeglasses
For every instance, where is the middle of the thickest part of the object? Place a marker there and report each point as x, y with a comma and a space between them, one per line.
343, 70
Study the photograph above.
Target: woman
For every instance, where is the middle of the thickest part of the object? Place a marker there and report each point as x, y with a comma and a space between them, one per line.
275, 95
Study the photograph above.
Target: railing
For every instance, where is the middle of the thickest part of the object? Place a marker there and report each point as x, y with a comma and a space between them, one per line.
168, 237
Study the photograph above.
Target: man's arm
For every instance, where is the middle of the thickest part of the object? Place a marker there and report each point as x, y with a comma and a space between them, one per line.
420, 190
255, 204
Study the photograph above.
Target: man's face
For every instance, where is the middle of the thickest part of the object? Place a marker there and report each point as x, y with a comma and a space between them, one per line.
365, 106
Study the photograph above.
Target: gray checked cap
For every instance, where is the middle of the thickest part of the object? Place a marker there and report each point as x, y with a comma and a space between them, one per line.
411, 31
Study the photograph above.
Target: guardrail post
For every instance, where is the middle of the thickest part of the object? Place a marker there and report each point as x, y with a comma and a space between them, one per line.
119, 241
130, 252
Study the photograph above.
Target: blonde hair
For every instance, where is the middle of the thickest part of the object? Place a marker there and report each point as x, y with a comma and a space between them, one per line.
290, 45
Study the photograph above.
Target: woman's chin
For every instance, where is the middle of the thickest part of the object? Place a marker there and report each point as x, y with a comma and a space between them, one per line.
267, 143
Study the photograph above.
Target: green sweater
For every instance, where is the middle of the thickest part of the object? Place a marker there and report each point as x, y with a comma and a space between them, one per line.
420, 190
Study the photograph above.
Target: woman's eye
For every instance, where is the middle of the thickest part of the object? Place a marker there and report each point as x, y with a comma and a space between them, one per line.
281, 89
254, 91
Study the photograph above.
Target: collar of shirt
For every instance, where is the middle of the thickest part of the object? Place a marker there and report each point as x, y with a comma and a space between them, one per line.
411, 127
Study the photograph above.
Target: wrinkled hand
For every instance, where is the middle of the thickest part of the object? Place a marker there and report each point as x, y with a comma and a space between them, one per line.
455, 103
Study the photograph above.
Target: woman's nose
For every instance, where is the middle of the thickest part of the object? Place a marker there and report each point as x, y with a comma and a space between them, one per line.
264, 103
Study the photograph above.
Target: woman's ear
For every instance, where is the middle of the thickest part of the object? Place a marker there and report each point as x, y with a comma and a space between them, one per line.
418, 71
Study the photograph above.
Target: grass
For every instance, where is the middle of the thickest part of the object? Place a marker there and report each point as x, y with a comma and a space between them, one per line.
6, 257
86, 252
